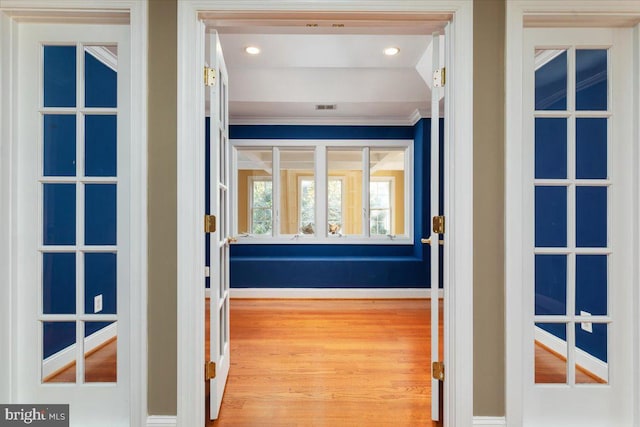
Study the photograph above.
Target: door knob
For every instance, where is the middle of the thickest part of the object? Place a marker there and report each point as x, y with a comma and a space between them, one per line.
428, 241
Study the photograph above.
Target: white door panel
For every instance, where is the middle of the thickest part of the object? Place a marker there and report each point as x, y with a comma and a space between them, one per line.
577, 267
220, 207
73, 218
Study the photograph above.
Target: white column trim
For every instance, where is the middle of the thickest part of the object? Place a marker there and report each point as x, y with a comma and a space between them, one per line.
636, 213
190, 150
459, 193
7, 212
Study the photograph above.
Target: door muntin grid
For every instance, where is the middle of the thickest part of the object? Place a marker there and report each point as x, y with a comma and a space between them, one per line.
571, 198
78, 204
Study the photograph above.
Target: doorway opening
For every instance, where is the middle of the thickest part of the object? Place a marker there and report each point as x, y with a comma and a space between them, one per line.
191, 124
319, 170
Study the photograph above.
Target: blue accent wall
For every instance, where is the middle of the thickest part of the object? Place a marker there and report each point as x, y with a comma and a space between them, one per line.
341, 266
551, 202
59, 200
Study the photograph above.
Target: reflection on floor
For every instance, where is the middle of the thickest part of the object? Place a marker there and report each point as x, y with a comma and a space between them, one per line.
100, 366
328, 362
551, 368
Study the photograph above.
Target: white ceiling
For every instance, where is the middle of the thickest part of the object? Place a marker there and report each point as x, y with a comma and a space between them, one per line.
300, 67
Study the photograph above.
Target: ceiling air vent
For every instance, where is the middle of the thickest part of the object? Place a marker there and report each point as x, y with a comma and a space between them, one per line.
326, 107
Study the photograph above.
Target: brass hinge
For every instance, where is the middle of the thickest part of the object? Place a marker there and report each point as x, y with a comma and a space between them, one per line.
437, 371
438, 224
209, 76
209, 370
209, 223
440, 77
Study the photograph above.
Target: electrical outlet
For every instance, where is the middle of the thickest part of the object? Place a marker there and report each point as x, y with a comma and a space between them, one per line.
586, 326
97, 303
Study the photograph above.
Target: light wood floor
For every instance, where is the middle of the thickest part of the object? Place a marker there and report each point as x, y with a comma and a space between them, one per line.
551, 368
99, 366
328, 363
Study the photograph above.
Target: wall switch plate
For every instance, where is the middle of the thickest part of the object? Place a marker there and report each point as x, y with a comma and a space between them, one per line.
97, 303
586, 326
207, 272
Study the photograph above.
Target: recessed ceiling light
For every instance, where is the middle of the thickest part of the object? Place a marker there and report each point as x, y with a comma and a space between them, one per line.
252, 50
390, 51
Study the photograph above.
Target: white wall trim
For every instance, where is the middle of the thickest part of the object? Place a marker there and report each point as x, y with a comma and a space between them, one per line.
7, 172
584, 359
67, 355
162, 421
138, 243
489, 421
89, 11
458, 194
636, 211
330, 293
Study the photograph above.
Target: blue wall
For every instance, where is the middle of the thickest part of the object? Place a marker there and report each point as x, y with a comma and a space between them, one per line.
59, 200
551, 225
341, 266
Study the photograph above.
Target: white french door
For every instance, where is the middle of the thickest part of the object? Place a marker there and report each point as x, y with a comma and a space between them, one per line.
220, 206
73, 220
436, 238
577, 278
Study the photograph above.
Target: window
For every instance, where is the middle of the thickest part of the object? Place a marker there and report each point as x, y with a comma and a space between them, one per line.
380, 206
323, 191
335, 202
261, 206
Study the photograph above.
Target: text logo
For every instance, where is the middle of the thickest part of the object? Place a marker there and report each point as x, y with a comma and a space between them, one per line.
34, 415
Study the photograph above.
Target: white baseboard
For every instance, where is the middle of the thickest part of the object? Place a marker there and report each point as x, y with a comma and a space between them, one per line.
67, 355
489, 421
331, 293
162, 421
584, 359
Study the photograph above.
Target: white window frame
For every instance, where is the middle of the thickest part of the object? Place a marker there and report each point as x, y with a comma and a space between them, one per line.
301, 224
458, 268
342, 201
569, 13
392, 184
251, 181
50, 11
321, 234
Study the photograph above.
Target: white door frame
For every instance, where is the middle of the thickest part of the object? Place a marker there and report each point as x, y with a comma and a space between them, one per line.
570, 13
459, 194
86, 11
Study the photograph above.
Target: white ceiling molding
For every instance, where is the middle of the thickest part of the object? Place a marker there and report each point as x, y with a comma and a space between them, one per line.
105, 54
320, 121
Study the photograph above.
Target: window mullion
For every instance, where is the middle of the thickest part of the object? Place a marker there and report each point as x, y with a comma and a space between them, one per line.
366, 229
275, 188
321, 192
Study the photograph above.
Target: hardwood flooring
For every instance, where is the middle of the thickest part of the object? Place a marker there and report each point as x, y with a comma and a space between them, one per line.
328, 363
551, 368
99, 366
